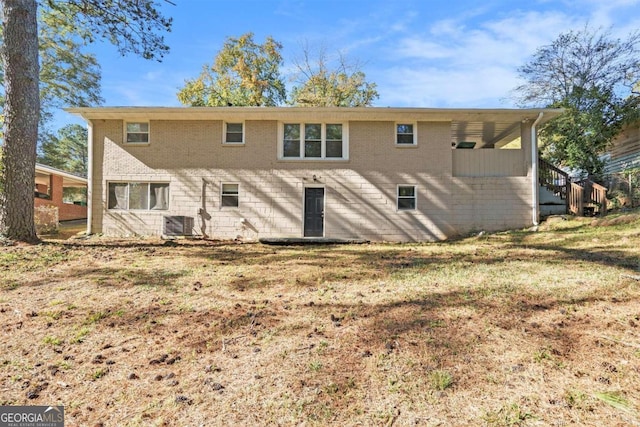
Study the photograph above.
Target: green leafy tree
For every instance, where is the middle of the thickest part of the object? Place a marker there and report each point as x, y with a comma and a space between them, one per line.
133, 26
68, 75
591, 75
320, 85
244, 73
67, 150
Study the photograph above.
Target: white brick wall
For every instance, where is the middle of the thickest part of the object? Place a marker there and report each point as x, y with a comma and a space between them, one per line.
360, 194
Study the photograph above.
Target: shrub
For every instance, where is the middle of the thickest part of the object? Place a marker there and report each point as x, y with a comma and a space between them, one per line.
46, 219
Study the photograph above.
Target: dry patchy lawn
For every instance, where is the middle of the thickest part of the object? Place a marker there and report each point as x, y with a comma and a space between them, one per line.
501, 330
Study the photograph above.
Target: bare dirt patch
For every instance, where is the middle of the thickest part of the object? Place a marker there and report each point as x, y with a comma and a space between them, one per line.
504, 329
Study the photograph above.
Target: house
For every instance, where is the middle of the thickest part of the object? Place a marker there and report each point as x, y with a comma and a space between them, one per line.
624, 153
381, 174
49, 187
622, 163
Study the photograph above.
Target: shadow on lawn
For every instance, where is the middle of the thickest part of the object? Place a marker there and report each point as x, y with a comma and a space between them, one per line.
333, 263
423, 321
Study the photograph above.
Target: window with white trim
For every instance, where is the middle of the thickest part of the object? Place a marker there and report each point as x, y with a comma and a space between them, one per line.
138, 195
314, 141
230, 195
406, 134
406, 197
137, 133
234, 133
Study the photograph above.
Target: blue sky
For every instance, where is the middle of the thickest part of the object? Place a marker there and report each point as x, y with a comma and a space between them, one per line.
420, 53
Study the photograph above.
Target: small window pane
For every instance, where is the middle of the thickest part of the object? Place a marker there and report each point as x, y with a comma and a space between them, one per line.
229, 188
292, 132
405, 139
313, 149
159, 197
312, 132
230, 201
234, 127
291, 148
138, 195
138, 127
406, 191
334, 149
117, 195
334, 132
405, 129
407, 203
137, 137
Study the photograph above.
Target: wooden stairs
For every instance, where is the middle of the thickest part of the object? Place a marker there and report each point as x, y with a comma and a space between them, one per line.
581, 198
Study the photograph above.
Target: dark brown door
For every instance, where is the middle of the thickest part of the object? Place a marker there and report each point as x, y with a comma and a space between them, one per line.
313, 212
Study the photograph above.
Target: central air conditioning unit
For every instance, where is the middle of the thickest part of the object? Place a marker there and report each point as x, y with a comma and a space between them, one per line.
178, 226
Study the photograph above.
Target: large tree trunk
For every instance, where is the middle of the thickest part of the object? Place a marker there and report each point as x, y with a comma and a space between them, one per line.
22, 111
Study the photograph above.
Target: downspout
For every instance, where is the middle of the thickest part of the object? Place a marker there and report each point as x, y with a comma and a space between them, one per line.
534, 171
89, 176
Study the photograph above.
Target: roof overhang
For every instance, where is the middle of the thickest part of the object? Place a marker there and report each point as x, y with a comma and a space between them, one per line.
318, 113
488, 127
43, 173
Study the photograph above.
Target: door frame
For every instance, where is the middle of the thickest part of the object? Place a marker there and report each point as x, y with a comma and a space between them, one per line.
324, 207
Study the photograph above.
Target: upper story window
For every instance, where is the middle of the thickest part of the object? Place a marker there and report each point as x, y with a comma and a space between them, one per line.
234, 133
406, 134
137, 133
138, 195
314, 141
406, 197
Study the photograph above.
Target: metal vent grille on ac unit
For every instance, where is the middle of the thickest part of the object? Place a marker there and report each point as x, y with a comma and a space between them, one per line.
178, 226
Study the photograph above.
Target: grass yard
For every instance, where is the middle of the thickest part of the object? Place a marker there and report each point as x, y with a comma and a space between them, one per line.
506, 329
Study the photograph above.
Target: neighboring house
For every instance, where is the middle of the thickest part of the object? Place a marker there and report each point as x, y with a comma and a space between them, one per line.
625, 150
381, 174
49, 186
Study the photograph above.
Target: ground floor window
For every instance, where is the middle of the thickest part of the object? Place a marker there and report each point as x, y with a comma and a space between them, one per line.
230, 195
406, 197
138, 195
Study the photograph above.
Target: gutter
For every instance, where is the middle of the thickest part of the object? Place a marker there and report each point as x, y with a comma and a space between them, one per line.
89, 176
535, 198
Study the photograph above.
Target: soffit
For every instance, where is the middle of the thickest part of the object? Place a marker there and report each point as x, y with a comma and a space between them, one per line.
488, 134
315, 113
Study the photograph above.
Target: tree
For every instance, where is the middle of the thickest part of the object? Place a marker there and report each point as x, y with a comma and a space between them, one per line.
130, 25
591, 75
21, 116
68, 75
320, 86
67, 150
244, 73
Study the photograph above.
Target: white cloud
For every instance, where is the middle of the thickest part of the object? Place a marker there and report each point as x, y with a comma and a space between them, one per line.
436, 87
454, 65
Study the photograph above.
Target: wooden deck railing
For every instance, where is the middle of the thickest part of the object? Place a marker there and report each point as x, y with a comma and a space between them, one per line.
582, 197
555, 180
587, 198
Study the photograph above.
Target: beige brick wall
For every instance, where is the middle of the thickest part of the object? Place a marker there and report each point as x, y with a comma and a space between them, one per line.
360, 193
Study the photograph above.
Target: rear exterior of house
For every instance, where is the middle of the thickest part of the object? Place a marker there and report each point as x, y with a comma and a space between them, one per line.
380, 174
